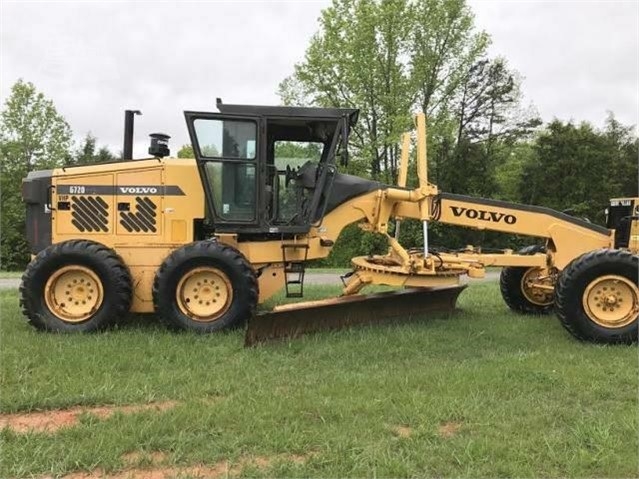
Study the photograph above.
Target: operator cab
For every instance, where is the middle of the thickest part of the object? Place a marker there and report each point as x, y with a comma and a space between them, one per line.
270, 170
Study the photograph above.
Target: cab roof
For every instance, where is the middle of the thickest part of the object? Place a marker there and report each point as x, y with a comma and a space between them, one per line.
290, 112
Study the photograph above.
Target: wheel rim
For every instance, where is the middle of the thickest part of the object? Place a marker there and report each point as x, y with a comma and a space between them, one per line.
611, 301
204, 294
73, 293
538, 296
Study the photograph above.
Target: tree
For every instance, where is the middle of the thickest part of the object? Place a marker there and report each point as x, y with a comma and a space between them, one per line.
488, 123
85, 154
444, 44
104, 154
624, 151
33, 135
579, 168
386, 57
186, 152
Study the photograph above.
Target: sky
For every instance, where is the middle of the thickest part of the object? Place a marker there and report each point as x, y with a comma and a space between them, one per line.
94, 59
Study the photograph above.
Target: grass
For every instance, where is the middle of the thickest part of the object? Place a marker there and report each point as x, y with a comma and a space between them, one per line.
483, 393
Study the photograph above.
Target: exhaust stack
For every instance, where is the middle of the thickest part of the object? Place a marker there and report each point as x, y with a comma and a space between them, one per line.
127, 150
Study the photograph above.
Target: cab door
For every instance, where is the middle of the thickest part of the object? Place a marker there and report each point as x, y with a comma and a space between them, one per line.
227, 152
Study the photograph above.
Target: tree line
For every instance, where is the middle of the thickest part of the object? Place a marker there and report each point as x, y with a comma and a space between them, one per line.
389, 58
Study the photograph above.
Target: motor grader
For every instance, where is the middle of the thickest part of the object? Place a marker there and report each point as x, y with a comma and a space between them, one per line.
201, 242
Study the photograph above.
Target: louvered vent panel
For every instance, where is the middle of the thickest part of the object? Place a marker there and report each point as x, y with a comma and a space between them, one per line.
143, 220
90, 214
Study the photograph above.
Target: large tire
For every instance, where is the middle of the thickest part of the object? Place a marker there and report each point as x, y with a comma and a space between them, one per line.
75, 286
597, 298
204, 287
511, 285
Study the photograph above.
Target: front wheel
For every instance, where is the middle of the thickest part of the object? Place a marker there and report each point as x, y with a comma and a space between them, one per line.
597, 298
204, 287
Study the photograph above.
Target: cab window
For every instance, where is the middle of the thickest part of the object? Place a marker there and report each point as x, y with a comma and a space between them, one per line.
226, 139
228, 150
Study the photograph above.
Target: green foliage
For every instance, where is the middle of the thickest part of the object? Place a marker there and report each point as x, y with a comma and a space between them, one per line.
489, 125
352, 242
294, 150
578, 168
186, 152
86, 153
386, 57
33, 135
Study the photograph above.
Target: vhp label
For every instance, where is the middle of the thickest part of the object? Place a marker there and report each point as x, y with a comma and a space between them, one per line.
483, 215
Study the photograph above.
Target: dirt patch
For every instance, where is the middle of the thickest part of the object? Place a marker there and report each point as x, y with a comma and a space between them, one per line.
138, 457
221, 469
299, 458
449, 429
49, 421
208, 472
403, 431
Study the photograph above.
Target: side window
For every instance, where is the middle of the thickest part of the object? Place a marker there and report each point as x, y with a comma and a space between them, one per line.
291, 155
228, 150
233, 188
296, 153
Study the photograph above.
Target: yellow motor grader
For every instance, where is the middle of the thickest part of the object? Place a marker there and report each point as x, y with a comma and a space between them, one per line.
200, 242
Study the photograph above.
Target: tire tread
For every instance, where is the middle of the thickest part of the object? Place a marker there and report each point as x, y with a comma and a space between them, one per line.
510, 286
569, 277
203, 249
123, 285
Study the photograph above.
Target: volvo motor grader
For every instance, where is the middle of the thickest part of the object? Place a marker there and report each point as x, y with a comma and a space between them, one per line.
201, 242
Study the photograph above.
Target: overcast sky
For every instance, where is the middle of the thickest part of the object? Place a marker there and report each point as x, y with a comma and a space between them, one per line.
579, 59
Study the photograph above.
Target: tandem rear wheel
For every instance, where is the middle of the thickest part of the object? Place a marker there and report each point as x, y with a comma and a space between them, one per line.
75, 286
597, 298
515, 284
204, 287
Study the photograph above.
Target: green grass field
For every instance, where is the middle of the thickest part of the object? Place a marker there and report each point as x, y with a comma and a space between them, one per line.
484, 393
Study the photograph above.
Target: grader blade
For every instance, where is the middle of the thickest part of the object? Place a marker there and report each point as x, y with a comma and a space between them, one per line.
293, 320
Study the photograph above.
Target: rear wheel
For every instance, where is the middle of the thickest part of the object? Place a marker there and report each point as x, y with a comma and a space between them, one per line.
205, 286
598, 298
516, 282
75, 286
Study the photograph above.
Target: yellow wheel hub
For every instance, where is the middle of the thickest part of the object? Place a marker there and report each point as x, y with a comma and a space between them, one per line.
73, 293
611, 301
538, 296
204, 294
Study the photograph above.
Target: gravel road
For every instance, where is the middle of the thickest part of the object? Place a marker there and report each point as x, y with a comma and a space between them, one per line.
9, 283
310, 278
